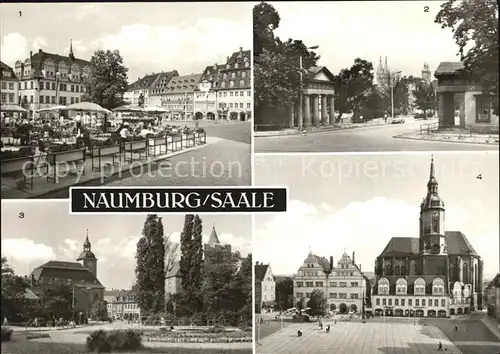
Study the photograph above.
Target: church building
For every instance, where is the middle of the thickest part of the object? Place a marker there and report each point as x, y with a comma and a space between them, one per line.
435, 275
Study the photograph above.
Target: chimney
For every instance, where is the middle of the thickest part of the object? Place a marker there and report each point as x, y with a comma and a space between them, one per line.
31, 54
256, 263
215, 66
353, 259
39, 50
241, 49
360, 266
331, 262
227, 59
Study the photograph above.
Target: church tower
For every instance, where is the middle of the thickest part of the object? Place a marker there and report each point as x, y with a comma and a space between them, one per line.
432, 219
426, 73
71, 55
380, 76
87, 257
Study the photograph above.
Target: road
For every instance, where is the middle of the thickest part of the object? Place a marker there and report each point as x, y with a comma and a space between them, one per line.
365, 139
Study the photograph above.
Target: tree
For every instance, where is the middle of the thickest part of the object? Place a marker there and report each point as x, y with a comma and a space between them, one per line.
102, 310
425, 98
196, 263
108, 79
241, 287
58, 301
374, 105
265, 20
150, 269
284, 293
185, 264
13, 292
475, 29
317, 303
352, 85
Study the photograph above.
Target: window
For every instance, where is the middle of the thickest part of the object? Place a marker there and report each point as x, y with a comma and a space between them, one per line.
334, 295
483, 109
390, 302
410, 302
31, 84
25, 85
343, 284
309, 284
223, 84
249, 105
436, 302
396, 302
53, 86
423, 302
419, 286
354, 296
72, 88
417, 302
300, 284
72, 100
247, 64
231, 105
31, 99
443, 303
231, 95
249, 93
4, 85
402, 302
308, 294
377, 301
53, 99
383, 286
342, 295
243, 74
401, 286
233, 75
11, 97
241, 105
384, 302
438, 286
4, 97
231, 83
225, 94
354, 284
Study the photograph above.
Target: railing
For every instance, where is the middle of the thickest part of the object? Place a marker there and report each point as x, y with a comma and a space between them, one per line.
428, 128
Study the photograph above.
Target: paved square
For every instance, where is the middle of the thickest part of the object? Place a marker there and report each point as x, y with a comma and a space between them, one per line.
357, 337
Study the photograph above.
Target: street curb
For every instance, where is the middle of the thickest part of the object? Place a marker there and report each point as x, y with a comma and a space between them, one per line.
444, 141
116, 176
318, 131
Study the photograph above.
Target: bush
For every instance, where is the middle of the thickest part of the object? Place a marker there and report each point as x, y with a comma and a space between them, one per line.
6, 334
107, 342
216, 329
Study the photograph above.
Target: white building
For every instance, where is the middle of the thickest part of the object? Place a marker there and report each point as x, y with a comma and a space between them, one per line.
9, 85
264, 287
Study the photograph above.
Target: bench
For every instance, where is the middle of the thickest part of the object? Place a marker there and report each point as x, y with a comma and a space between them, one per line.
139, 147
19, 164
175, 141
54, 159
157, 142
103, 151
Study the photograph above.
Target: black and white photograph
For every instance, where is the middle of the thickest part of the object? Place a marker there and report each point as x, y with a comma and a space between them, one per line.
124, 94
134, 283
376, 76
393, 253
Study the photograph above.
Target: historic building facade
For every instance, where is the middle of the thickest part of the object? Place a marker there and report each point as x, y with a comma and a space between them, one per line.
122, 304
205, 95
148, 89
264, 287
87, 291
9, 85
492, 298
177, 96
436, 275
47, 79
343, 284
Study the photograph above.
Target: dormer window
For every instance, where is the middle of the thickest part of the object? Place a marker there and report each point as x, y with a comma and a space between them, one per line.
231, 83
247, 64
236, 65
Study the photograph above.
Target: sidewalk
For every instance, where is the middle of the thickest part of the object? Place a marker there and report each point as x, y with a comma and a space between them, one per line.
289, 131
455, 136
492, 325
41, 186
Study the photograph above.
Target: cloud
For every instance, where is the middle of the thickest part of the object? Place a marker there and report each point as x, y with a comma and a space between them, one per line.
14, 46
25, 251
39, 43
158, 48
87, 10
355, 227
78, 47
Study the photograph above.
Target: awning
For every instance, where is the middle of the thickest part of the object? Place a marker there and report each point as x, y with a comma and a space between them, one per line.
11, 108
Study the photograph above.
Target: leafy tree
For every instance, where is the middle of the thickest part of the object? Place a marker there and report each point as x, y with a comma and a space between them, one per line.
317, 303
185, 262
352, 85
241, 287
13, 291
265, 20
425, 98
374, 105
58, 301
150, 269
284, 293
102, 310
475, 29
196, 263
108, 79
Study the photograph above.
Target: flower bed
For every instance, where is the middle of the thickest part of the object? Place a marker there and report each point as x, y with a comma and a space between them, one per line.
201, 336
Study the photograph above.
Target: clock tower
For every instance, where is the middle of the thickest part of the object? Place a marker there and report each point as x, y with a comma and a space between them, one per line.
432, 220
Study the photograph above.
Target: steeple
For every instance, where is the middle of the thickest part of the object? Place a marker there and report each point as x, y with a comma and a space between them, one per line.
87, 257
386, 68
71, 54
214, 239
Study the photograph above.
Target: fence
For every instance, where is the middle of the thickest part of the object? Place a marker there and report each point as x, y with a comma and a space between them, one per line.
428, 128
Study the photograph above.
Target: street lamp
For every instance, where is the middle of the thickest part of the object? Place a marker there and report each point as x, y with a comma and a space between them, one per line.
301, 90
391, 77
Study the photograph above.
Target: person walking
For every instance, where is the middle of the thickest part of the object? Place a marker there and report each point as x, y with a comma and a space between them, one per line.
440, 347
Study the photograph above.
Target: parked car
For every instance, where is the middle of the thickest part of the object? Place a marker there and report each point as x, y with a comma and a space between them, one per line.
397, 120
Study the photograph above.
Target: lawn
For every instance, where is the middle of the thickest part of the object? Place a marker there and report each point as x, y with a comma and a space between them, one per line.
23, 346
269, 327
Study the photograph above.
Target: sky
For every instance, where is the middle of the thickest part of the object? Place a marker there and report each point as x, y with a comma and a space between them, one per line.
359, 202
151, 37
346, 30
48, 232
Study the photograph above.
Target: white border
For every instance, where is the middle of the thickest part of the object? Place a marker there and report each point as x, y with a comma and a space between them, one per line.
250, 188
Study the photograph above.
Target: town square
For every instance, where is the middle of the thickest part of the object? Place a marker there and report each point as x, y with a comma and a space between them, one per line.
410, 78
410, 267
180, 283
83, 111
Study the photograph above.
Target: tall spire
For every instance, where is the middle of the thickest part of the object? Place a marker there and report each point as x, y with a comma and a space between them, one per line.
432, 173
214, 239
386, 67
71, 54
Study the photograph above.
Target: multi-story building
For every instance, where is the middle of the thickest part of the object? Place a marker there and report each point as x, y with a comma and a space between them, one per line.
87, 291
149, 88
205, 95
233, 86
9, 85
438, 274
264, 287
343, 285
47, 80
178, 96
122, 304
492, 298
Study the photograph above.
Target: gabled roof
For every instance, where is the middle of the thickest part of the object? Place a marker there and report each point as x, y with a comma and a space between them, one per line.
260, 272
38, 61
30, 295
117, 293
143, 83
449, 68
458, 244
214, 239
162, 80
73, 271
182, 84
315, 70
495, 283
175, 271
6, 68
62, 265
324, 263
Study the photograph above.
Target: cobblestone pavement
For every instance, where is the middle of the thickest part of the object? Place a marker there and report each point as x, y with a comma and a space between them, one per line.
357, 337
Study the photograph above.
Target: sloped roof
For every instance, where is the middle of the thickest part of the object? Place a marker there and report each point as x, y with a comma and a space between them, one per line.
260, 272
175, 271
235, 64
449, 68
73, 271
117, 293
38, 61
324, 263
182, 84
458, 244
214, 239
212, 74
30, 295
7, 68
495, 283
62, 264
144, 83
315, 70
161, 81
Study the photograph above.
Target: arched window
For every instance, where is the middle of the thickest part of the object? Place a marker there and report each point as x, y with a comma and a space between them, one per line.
401, 286
457, 289
403, 270
465, 275
388, 270
419, 287
383, 286
396, 270
438, 286
467, 290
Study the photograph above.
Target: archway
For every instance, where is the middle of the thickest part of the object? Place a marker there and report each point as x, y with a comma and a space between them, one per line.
210, 116
333, 307
419, 313
198, 115
389, 312
243, 116
441, 313
398, 312
466, 310
459, 311
354, 308
233, 115
343, 308
431, 313
452, 311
